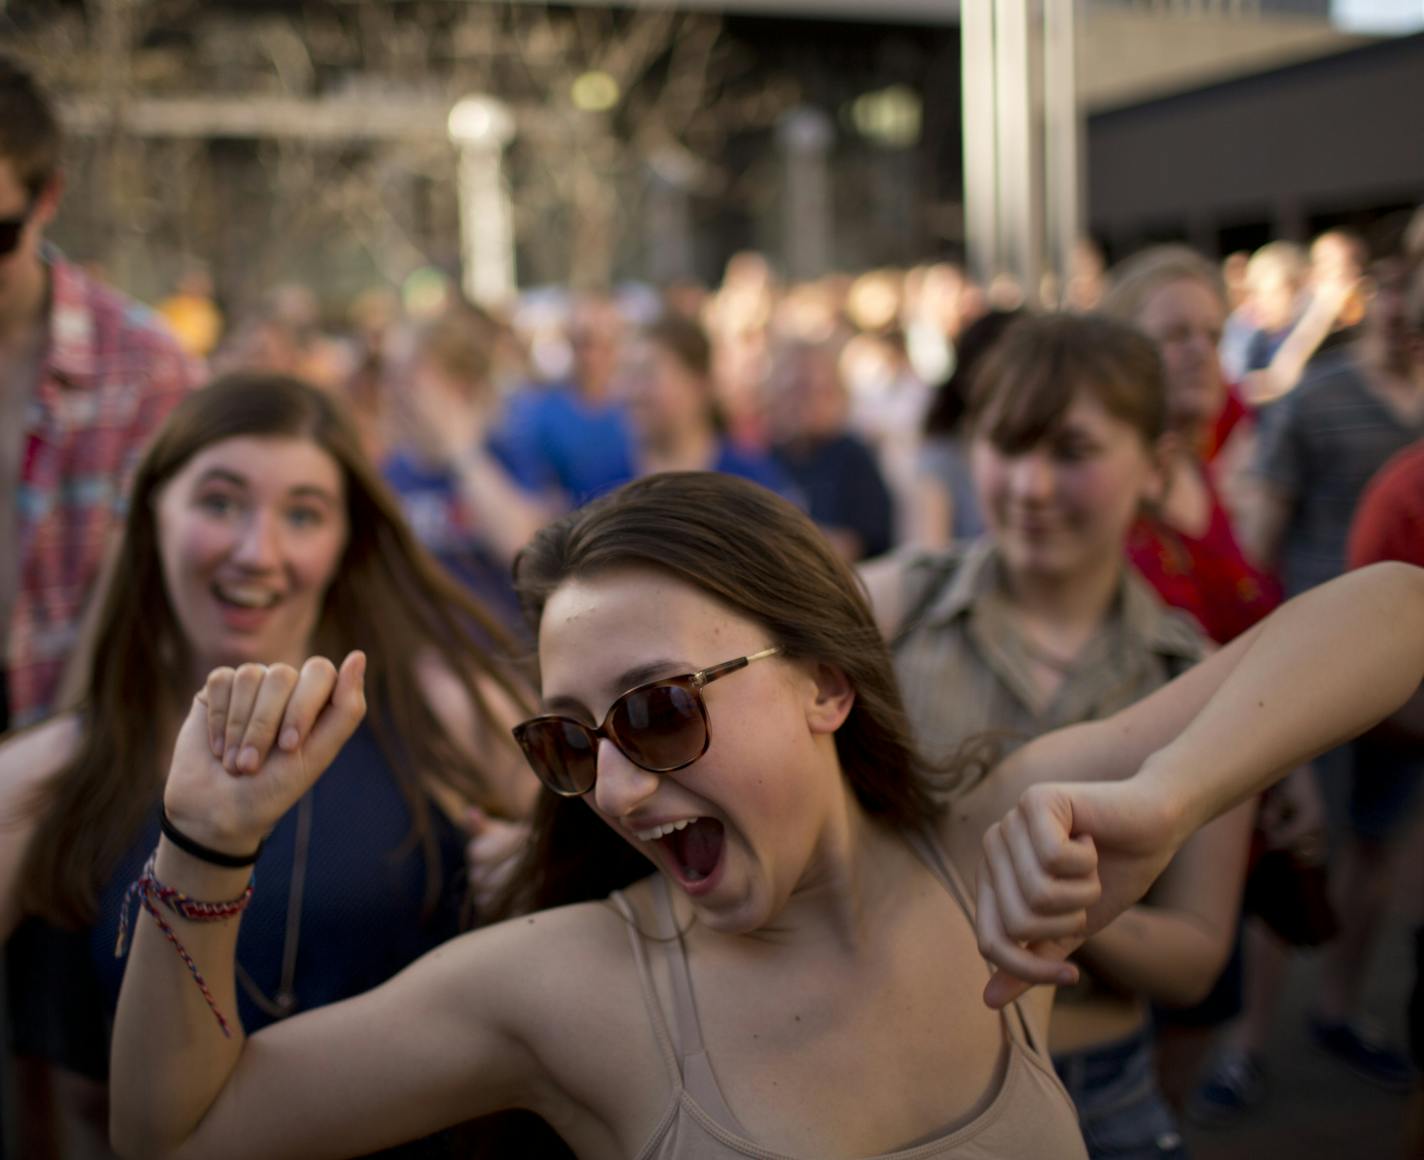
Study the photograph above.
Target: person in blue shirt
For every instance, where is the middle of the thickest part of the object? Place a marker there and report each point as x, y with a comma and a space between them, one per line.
453, 476
836, 471
571, 441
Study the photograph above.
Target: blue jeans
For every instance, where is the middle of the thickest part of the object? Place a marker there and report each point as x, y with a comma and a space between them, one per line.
1120, 1109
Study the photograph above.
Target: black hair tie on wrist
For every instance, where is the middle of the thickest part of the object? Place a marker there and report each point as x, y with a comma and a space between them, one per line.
201, 852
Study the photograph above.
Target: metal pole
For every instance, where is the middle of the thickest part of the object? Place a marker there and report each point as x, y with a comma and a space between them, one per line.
1019, 171
981, 163
1063, 137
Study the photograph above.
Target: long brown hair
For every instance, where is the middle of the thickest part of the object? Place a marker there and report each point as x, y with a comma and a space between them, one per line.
759, 556
388, 597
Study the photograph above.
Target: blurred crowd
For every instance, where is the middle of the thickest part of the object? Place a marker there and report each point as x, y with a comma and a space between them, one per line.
1114, 486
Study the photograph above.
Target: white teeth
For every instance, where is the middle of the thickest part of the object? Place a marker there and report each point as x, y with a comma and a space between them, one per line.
247, 597
662, 831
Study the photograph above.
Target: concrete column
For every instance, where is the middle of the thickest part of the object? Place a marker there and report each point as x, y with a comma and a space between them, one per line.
1063, 137
481, 127
668, 240
1023, 139
981, 140
1020, 158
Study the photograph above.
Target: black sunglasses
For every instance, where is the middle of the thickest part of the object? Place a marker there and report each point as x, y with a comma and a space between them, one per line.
660, 727
12, 227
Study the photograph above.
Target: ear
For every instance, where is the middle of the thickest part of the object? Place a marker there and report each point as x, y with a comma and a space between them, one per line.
831, 701
1164, 455
47, 203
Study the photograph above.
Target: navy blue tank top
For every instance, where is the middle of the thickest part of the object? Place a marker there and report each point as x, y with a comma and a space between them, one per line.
363, 915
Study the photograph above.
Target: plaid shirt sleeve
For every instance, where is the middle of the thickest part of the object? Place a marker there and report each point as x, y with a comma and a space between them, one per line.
112, 375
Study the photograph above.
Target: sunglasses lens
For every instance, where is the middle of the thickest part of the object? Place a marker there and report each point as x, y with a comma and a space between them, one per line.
661, 727
562, 753
10, 234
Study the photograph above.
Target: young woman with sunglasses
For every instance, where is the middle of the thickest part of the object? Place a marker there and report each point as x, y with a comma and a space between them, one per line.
802, 976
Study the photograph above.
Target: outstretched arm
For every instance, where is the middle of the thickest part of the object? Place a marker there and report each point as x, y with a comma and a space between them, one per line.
421, 1052
1321, 669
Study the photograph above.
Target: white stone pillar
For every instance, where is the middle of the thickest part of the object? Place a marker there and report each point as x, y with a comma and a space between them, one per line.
981, 139
480, 128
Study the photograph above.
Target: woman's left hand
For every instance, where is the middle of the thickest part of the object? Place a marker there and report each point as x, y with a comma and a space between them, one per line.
1060, 866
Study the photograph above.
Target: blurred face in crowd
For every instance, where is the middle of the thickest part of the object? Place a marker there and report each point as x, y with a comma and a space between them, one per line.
1273, 293
595, 337
665, 397
1060, 508
250, 534
810, 401
25, 217
1184, 318
1394, 326
1336, 257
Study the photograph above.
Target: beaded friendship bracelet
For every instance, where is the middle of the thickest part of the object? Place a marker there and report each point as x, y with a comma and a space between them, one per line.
149, 892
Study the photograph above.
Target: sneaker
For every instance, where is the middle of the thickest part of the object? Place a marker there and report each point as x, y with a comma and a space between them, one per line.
1359, 1049
1235, 1085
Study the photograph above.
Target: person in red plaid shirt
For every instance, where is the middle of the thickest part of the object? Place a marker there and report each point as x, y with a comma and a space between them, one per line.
85, 375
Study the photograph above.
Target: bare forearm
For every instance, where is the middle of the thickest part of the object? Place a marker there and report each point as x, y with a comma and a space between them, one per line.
1325, 667
170, 1058
1169, 957
1172, 949
507, 516
1285, 369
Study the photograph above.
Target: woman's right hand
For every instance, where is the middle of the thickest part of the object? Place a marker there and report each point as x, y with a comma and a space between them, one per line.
255, 740
1060, 866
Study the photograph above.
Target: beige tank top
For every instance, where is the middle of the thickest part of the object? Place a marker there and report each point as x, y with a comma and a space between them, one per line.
1030, 1116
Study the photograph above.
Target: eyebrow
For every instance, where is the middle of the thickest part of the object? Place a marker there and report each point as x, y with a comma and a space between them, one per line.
625, 681
304, 491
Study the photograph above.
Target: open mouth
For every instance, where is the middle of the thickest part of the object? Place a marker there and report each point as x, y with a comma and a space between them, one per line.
695, 848
245, 596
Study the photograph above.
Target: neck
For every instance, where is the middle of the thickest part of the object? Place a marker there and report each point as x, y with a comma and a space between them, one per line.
1076, 603
1190, 432
853, 882
592, 390
25, 310
679, 449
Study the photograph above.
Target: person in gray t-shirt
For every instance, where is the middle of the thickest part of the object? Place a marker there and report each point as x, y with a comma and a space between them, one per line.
1317, 450
1319, 446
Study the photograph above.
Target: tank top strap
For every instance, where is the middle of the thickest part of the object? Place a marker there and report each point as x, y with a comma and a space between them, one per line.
926, 845
687, 1028
650, 995
924, 842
